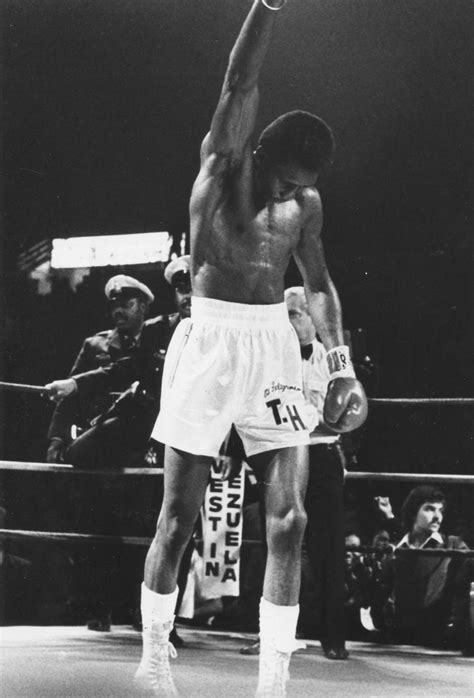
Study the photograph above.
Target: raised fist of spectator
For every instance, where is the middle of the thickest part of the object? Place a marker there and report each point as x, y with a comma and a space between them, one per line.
384, 507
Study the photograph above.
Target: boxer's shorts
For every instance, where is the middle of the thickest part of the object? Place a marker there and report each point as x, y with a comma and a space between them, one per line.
232, 363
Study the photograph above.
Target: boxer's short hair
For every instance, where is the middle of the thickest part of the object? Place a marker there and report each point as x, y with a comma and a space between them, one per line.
298, 137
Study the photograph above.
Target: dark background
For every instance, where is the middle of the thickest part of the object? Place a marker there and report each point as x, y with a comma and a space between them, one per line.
104, 107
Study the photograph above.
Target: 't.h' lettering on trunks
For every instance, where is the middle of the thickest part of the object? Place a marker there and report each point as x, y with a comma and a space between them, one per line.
293, 414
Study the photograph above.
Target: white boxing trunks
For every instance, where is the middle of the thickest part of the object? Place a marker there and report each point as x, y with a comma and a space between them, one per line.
232, 363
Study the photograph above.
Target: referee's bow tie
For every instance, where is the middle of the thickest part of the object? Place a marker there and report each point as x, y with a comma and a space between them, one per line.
306, 351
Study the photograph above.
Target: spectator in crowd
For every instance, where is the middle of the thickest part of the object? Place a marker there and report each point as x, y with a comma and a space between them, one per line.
324, 537
463, 609
352, 540
416, 592
357, 587
389, 526
115, 433
127, 359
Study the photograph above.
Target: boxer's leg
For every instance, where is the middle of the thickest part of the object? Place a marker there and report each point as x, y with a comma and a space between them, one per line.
283, 475
185, 481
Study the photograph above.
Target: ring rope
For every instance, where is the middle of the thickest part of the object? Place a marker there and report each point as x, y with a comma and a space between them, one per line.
434, 552
70, 469
62, 537
422, 400
411, 477
351, 475
42, 390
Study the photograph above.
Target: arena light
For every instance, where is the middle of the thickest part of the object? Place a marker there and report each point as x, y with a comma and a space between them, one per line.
110, 250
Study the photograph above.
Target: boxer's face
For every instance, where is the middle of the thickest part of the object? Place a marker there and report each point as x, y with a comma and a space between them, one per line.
283, 182
429, 518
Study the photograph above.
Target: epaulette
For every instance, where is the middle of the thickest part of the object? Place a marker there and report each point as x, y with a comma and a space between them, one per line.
156, 320
162, 319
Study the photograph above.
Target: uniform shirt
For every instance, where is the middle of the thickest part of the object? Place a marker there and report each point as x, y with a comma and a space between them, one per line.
108, 362
315, 384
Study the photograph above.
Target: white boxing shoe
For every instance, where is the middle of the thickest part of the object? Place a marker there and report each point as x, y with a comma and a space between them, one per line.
153, 676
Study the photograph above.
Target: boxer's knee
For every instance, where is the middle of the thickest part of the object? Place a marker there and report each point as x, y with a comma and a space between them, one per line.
285, 530
174, 531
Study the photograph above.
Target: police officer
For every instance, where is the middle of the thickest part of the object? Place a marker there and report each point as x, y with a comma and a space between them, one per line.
115, 433
127, 359
88, 400
177, 274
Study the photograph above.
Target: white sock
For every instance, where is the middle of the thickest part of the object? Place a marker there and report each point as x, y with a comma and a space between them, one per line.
278, 625
157, 608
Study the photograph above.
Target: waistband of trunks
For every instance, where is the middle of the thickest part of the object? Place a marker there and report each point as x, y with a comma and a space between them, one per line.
230, 314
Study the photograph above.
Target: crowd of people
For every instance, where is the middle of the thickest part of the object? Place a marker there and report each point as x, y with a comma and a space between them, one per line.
410, 594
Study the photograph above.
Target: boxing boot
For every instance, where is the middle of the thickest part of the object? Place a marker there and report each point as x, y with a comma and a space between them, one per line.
153, 675
277, 643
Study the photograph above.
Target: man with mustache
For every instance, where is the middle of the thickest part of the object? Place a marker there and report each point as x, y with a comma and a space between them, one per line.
417, 593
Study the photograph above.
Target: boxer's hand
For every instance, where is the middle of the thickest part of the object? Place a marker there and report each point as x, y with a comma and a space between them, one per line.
345, 406
55, 451
61, 389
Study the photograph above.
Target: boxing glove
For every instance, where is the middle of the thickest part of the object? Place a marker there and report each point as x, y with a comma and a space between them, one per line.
345, 405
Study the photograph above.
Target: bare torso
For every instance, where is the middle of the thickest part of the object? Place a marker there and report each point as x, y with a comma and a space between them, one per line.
240, 252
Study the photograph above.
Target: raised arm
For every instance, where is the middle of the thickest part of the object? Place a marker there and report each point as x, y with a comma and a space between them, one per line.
234, 118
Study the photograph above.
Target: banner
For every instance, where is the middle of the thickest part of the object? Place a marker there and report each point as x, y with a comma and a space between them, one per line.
222, 534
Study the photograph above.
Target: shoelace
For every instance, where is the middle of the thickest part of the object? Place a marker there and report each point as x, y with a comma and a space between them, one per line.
159, 669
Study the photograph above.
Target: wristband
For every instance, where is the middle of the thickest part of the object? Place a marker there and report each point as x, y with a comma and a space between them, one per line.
340, 363
274, 9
